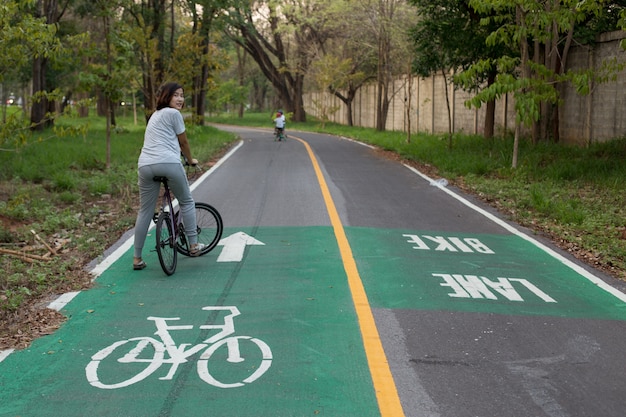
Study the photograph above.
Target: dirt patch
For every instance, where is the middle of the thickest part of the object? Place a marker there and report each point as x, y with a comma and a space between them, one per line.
33, 319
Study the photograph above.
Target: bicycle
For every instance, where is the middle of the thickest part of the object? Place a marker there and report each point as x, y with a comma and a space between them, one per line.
279, 134
147, 354
170, 235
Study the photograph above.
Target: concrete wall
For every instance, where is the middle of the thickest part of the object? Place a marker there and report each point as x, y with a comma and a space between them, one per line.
597, 117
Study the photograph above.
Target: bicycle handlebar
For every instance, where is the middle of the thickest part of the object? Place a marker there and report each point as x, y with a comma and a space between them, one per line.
186, 162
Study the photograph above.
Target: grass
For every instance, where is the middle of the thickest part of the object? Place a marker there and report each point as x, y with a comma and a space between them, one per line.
60, 187
573, 195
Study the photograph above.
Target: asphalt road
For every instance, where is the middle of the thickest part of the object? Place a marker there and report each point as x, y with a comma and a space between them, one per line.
358, 287
450, 356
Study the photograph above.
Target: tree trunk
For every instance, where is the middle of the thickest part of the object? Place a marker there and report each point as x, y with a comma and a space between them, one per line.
241, 75
151, 18
407, 103
40, 102
520, 14
445, 84
490, 111
40, 105
199, 91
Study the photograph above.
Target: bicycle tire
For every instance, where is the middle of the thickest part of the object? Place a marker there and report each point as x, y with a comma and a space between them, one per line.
210, 229
165, 244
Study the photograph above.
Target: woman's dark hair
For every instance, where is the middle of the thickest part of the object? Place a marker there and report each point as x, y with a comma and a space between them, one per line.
165, 93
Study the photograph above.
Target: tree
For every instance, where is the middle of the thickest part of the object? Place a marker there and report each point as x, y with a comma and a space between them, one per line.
449, 38
280, 37
50, 13
328, 74
153, 47
110, 76
351, 48
203, 27
542, 33
22, 37
387, 22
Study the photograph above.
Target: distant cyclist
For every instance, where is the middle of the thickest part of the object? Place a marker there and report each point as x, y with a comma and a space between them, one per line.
279, 125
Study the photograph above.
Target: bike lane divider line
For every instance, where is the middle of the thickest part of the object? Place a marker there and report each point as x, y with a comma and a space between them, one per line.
384, 385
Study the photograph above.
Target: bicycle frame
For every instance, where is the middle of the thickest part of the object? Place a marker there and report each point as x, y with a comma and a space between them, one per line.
179, 355
168, 206
170, 231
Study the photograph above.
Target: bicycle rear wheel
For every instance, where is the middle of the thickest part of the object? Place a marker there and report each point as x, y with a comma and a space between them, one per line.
210, 228
165, 244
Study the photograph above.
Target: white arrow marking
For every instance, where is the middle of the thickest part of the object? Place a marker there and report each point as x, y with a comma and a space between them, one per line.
234, 246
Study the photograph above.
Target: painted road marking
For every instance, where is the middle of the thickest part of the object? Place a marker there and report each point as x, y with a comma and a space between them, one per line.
473, 286
235, 246
150, 351
576, 268
451, 244
294, 297
384, 385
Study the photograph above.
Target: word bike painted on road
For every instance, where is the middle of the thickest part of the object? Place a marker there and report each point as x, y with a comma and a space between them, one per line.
448, 244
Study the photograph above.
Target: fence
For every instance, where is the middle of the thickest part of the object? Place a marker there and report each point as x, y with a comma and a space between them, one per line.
596, 117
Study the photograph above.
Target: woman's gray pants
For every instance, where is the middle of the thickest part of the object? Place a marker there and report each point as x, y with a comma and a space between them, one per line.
149, 195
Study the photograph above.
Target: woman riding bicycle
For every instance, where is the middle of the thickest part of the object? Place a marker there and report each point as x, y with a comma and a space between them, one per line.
164, 141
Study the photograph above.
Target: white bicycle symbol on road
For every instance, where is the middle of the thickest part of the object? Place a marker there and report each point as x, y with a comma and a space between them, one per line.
154, 357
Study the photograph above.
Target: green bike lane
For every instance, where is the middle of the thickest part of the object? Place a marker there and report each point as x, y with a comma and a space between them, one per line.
291, 293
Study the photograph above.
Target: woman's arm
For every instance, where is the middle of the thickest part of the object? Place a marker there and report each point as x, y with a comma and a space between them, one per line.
185, 149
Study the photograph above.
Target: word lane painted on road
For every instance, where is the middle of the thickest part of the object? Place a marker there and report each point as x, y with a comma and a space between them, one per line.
473, 286
498, 273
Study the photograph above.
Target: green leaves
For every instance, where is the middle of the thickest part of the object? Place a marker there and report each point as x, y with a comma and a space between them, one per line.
22, 37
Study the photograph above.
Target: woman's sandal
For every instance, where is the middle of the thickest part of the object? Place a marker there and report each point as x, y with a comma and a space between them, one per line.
138, 267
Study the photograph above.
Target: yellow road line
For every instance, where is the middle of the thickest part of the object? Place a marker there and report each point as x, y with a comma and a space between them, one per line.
384, 385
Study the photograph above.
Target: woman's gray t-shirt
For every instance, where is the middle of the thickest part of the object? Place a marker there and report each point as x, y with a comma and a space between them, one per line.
160, 144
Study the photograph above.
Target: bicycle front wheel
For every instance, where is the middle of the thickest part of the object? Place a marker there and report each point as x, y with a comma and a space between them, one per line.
165, 244
209, 227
